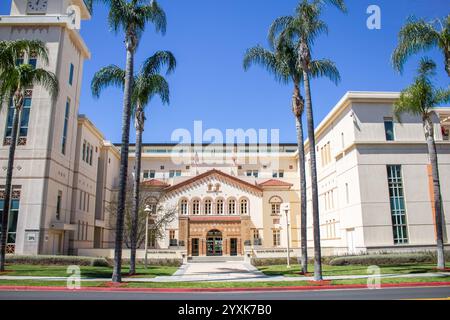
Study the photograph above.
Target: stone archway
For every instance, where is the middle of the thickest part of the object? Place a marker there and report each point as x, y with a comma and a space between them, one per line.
214, 243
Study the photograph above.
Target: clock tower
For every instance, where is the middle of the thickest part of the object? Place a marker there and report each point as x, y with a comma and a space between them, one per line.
44, 167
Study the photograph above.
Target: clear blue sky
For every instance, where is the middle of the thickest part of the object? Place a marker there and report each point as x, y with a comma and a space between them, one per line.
209, 38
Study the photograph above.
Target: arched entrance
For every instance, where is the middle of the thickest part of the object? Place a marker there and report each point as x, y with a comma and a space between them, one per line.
214, 243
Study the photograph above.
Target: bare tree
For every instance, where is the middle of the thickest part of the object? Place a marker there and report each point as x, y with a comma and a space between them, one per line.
160, 215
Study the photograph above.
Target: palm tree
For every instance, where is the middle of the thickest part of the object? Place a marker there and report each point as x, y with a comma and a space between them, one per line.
282, 63
419, 35
15, 79
147, 84
132, 17
419, 99
304, 27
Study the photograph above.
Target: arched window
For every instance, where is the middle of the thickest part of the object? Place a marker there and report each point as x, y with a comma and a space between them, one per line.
183, 207
231, 206
196, 207
275, 203
243, 206
208, 207
219, 206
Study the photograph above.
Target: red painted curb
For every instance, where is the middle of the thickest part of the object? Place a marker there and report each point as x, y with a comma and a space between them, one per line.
183, 290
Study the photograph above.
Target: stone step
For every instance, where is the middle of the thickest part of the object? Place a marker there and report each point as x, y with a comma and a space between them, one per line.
204, 259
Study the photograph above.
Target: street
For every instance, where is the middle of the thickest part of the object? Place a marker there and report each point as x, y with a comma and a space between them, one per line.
343, 294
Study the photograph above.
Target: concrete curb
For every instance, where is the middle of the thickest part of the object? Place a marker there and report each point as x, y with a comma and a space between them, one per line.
256, 289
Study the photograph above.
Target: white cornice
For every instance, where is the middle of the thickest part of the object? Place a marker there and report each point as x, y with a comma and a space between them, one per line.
48, 20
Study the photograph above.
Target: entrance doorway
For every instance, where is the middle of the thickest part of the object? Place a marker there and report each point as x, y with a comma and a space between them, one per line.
214, 243
195, 247
233, 247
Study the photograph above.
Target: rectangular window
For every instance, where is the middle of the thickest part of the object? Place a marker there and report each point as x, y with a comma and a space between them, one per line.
23, 121
172, 234
255, 234
389, 129
252, 173
12, 219
32, 62
171, 173
58, 205
90, 155
146, 174
347, 195
152, 174
84, 150
275, 209
278, 174
66, 123
71, 74
397, 202
276, 237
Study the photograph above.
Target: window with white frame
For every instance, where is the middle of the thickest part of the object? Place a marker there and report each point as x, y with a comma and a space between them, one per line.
278, 174
252, 173
196, 207
243, 206
276, 236
208, 206
231, 206
219, 206
184, 207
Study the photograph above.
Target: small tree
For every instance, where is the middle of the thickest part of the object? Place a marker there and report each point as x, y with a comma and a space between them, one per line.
160, 216
419, 99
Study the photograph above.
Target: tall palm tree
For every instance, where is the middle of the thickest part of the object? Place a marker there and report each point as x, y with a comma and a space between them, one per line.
282, 63
147, 84
131, 16
419, 35
419, 99
15, 79
304, 27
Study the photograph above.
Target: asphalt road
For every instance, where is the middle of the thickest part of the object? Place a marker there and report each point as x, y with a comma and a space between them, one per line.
343, 294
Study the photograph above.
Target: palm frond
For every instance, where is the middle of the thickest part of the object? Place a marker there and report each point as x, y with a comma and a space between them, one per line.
10, 50
146, 87
325, 68
279, 25
415, 36
47, 80
266, 59
154, 63
111, 75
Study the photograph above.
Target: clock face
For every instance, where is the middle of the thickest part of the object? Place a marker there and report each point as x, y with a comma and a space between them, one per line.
37, 6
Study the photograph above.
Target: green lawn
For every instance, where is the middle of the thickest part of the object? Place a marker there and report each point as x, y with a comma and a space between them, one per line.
259, 284
348, 270
86, 271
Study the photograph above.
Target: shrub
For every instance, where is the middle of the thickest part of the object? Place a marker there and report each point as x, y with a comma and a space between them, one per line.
388, 259
163, 262
57, 260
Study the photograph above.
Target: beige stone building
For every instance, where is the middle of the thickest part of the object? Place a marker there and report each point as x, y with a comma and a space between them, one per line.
373, 175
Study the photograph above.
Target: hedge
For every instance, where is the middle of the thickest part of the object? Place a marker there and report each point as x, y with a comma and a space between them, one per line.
388, 259
57, 260
163, 262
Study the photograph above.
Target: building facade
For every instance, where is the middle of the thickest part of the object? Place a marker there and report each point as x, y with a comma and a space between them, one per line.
373, 173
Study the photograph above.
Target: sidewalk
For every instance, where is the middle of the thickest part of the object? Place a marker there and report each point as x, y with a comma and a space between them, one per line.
226, 272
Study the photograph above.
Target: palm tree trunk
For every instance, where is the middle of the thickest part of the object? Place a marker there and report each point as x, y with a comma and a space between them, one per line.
314, 190
139, 123
116, 276
8, 186
429, 134
298, 107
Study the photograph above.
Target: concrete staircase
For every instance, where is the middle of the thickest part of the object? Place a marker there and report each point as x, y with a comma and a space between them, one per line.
214, 259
